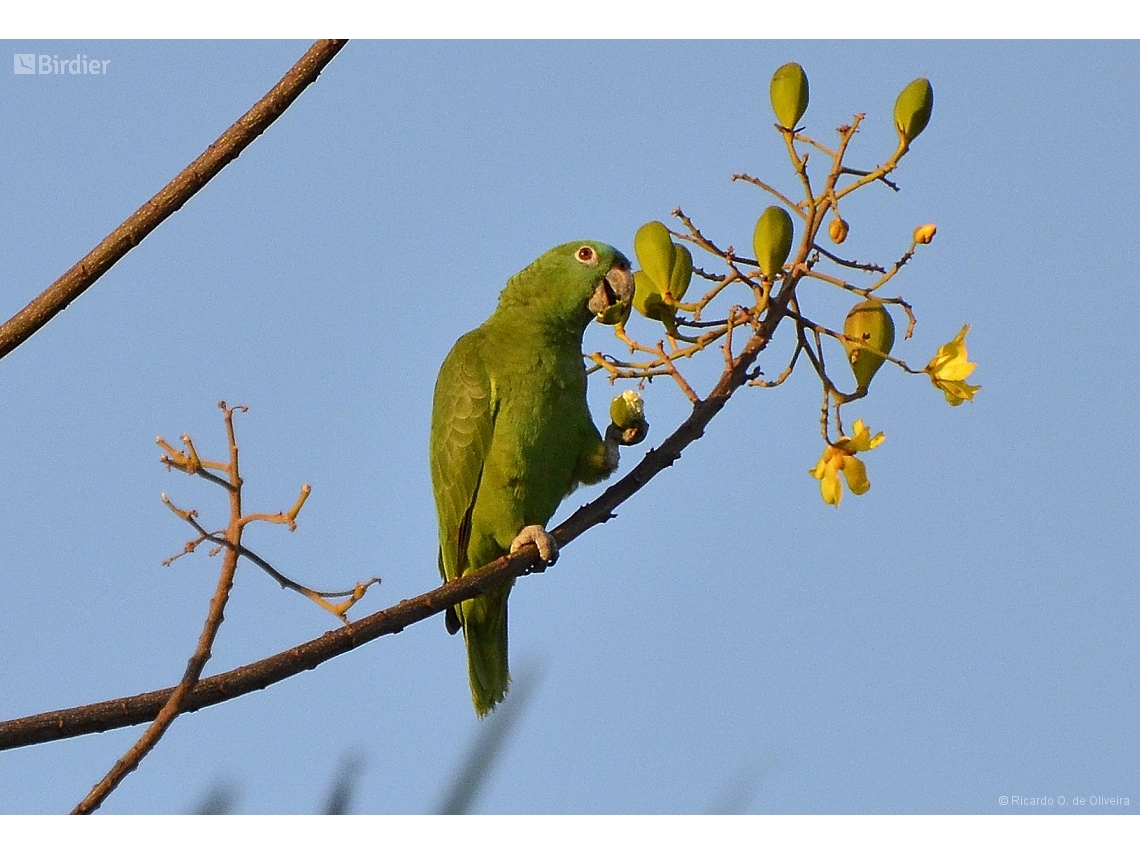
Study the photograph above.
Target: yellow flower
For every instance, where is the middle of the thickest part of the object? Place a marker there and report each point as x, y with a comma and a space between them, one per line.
840, 457
949, 369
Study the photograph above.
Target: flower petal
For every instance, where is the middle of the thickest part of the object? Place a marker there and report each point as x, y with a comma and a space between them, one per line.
855, 471
862, 441
956, 391
830, 487
951, 362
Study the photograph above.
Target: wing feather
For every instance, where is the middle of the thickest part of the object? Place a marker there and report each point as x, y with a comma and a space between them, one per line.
462, 424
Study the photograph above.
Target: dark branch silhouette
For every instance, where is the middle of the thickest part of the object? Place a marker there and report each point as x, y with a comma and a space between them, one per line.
169, 199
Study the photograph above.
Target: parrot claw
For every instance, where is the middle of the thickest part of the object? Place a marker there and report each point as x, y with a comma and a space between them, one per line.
631, 435
634, 435
540, 537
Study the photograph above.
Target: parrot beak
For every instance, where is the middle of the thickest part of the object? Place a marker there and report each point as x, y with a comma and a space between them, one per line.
616, 289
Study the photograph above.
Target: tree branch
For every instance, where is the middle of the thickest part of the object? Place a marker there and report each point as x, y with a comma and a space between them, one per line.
773, 306
137, 709
173, 705
175, 700
169, 199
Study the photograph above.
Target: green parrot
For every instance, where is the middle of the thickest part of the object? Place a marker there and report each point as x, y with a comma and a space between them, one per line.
511, 435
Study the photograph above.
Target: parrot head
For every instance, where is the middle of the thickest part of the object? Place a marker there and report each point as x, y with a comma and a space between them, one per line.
575, 282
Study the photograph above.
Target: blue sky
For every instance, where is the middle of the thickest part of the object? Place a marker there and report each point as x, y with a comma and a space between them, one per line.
964, 631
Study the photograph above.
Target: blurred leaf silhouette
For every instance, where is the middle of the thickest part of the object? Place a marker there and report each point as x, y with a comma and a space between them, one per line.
738, 793
492, 735
221, 798
344, 785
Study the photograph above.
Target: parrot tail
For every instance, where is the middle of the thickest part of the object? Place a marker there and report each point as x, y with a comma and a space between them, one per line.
485, 631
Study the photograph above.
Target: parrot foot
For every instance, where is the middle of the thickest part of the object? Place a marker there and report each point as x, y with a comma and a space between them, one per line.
631, 435
540, 537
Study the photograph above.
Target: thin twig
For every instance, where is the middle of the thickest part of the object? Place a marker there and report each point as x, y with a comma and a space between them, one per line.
286, 518
743, 176
809, 207
847, 170
696, 237
876, 174
219, 538
693, 397
896, 267
783, 375
216, 614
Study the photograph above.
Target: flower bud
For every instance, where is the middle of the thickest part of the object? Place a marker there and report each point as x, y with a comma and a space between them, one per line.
627, 410
868, 323
913, 108
655, 252
925, 234
772, 240
789, 94
682, 271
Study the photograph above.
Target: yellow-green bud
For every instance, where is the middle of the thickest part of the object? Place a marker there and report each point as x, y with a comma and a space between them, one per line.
838, 230
648, 300
618, 313
868, 323
655, 252
772, 240
627, 410
913, 107
925, 234
789, 94
682, 271
665, 267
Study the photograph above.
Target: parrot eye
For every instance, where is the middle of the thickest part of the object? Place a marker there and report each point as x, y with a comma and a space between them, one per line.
587, 256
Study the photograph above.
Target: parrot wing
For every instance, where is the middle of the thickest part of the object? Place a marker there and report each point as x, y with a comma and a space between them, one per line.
463, 422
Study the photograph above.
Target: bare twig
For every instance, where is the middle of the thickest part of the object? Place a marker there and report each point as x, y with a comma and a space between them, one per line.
743, 176
677, 376
169, 199
230, 542
287, 518
696, 237
862, 172
321, 598
216, 614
